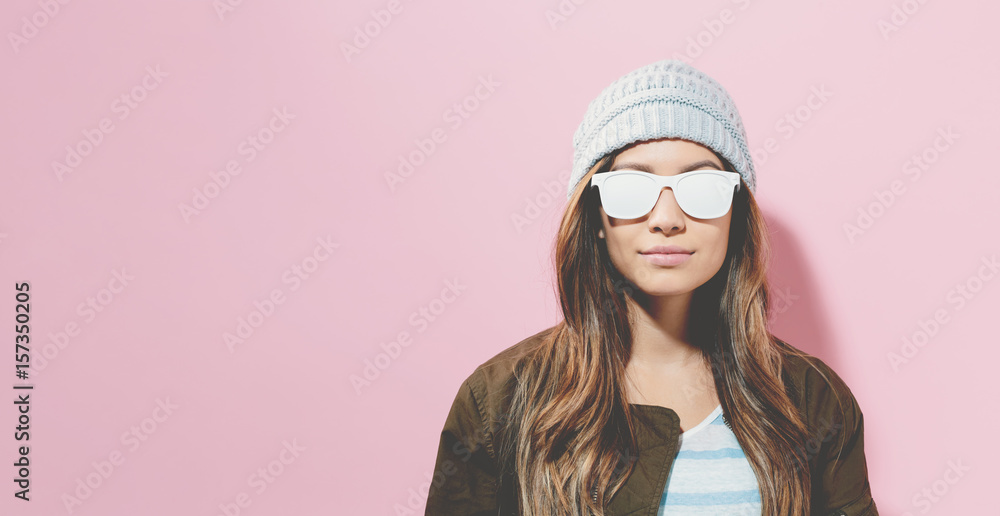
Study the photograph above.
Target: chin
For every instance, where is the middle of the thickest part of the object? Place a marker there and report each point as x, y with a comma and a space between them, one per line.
665, 288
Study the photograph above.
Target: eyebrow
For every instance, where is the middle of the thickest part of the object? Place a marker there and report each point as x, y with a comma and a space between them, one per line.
646, 168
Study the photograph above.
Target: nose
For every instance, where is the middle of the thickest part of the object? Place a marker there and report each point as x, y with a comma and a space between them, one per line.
667, 215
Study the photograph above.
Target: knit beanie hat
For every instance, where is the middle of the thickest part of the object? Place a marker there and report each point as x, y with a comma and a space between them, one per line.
665, 99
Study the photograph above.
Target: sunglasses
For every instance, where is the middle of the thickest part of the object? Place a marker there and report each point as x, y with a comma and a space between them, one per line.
630, 194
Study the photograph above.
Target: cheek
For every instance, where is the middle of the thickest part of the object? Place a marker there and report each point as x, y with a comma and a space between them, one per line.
717, 244
716, 256
615, 243
620, 245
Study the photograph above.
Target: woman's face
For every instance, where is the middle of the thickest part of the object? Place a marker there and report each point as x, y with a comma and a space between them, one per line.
628, 240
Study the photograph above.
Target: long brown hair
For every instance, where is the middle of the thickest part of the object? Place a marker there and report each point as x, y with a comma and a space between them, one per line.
570, 422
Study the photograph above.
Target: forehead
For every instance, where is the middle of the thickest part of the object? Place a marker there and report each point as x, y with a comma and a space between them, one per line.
666, 152
667, 157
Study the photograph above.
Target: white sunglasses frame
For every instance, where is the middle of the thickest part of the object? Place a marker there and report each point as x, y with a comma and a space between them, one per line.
665, 181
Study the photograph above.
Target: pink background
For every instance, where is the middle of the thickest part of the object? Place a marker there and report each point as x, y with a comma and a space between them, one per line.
393, 250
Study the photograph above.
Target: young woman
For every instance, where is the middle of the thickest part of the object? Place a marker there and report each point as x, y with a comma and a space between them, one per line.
662, 391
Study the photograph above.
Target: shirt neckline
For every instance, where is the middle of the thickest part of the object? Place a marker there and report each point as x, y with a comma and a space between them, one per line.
705, 422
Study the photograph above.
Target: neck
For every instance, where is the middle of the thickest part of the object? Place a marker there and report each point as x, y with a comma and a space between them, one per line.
659, 337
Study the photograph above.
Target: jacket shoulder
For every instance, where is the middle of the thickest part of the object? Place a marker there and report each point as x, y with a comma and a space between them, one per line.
470, 476
815, 386
501, 365
493, 381
835, 444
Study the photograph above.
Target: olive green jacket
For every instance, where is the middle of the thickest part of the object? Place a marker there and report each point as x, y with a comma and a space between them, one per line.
466, 474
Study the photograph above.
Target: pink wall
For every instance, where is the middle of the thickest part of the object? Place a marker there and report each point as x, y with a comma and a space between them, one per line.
142, 396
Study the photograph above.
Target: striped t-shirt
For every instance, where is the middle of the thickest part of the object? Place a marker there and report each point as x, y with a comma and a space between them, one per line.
710, 474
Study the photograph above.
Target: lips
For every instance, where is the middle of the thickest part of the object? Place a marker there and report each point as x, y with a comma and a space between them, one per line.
666, 258
667, 249
667, 255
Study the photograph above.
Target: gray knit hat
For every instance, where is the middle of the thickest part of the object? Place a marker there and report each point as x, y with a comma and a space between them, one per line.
666, 99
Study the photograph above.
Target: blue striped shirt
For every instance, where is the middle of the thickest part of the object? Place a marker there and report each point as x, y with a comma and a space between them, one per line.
711, 474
